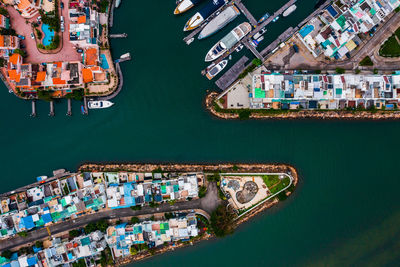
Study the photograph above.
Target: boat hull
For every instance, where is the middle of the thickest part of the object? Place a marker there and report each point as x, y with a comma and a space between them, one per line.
99, 104
289, 11
219, 22
183, 6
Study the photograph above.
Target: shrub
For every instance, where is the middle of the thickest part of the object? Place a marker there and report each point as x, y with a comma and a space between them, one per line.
221, 221
366, 61
135, 220
39, 34
73, 233
244, 114
202, 191
340, 71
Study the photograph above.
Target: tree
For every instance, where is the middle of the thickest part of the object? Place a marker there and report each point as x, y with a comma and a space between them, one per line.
340, 70
168, 215
39, 244
6, 254
257, 62
46, 96
221, 221
23, 234
21, 52
39, 34
73, 233
366, 61
79, 263
135, 220
133, 250
136, 207
214, 177
3, 11
202, 191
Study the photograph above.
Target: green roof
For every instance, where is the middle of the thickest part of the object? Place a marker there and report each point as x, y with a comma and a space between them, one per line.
339, 91
85, 241
341, 21
259, 93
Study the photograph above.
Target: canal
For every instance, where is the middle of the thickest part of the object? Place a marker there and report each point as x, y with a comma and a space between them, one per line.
346, 210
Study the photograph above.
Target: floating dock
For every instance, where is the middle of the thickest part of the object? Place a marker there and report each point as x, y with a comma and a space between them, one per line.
246, 12
85, 105
232, 74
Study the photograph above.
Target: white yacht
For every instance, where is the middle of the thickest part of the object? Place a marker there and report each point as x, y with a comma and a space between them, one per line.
213, 70
99, 104
229, 41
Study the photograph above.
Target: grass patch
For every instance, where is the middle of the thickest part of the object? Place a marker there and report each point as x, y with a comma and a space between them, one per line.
390, 48
274, 183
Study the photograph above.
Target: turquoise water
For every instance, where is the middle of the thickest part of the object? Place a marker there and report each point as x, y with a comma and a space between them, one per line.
104, 63
346, 210
48, 34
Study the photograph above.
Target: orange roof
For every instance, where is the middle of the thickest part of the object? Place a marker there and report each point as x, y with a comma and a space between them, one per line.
15, 58
1, 41
59, 64
14, 76
91, 56
41, 76
81, 19
87, 75
23, 4
58, 81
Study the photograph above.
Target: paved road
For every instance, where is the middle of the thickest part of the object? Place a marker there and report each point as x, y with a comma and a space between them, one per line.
208, 204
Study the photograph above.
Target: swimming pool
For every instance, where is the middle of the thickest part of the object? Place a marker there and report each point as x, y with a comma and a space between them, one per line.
104, 63
48, 34
306, 30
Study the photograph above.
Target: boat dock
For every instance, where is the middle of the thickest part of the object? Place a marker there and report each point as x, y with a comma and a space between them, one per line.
204, 23
253, 49
33, 114
85, 106
119, 35
232, 74
111, 15
246, 12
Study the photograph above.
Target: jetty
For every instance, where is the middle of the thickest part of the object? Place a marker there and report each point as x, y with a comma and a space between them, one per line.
119, 35
85, 105
69, 111
232, 74
111, 15
246, 12
188, 38
245, 41
33, 114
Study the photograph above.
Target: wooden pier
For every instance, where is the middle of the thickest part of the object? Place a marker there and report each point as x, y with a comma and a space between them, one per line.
111, 14
69, 111
51, 114
246, 12
119, 35
204, 23
33, 114
253, 49
232, 74
85, 106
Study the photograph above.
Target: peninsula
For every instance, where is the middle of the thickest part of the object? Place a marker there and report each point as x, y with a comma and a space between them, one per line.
113, 214
58, 49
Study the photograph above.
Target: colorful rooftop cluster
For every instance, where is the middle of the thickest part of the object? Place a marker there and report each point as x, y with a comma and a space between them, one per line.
61, 253
334, 32
85, 26
312, 91
120, 238
72, 196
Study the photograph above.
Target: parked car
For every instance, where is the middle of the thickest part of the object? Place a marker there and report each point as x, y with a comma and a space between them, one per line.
62, 19
62, 5
62, 27
79, 50
21, 37
32, 35
39, 19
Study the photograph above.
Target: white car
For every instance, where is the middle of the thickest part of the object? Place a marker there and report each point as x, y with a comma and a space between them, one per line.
32, 35
62, 27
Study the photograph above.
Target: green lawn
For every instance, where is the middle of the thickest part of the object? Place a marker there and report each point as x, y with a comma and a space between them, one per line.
275, 184
390, 48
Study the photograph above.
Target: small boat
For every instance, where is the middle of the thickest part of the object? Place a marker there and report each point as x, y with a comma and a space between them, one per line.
41, 179
185, 5
254, 43
126, 55
117, 3
289, 11
260, 39
99, 104
188, 42
213, 70
263, 18
239, 48
82, 109
275, 19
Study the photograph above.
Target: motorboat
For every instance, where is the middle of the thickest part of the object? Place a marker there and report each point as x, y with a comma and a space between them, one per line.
99, 104
213, 70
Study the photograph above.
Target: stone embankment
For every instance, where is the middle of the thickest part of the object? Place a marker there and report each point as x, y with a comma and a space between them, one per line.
306, 114
224, 167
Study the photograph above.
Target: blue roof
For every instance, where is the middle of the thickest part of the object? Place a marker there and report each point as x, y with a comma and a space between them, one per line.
32, 261
15, 264
47, 218
122, 225
14, 256
28, 222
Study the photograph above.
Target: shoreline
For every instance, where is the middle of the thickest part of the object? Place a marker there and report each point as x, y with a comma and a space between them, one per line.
300, 115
